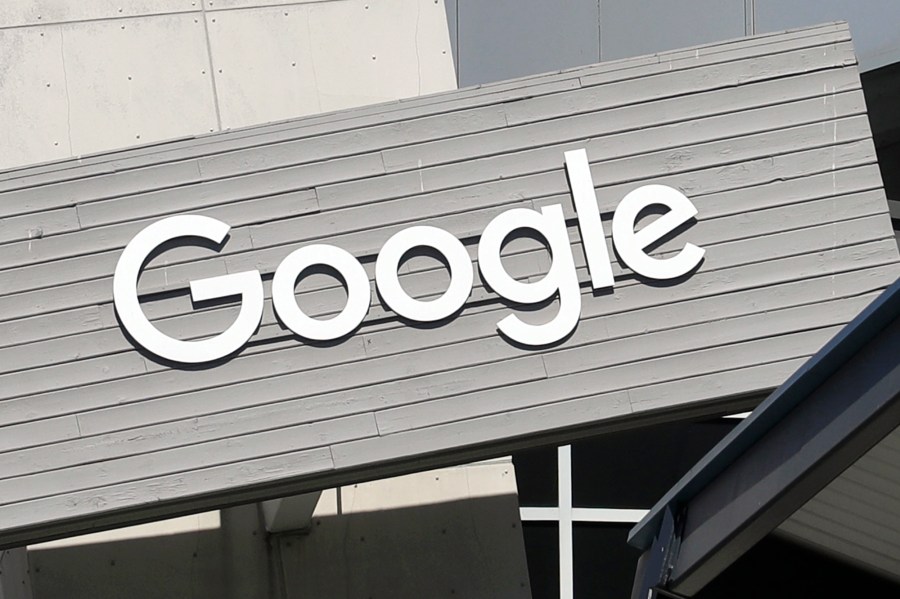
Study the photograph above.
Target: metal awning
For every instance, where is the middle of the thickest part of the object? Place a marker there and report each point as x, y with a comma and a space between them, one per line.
815, 457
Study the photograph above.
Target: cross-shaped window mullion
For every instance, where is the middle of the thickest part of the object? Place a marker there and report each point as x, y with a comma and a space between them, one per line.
566, 515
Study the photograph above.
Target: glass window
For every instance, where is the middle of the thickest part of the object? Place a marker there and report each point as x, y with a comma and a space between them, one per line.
633, 469
603, 562
542, 552
537, 477
585, 497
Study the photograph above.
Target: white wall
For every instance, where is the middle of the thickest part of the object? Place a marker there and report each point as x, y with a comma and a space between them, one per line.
93, 75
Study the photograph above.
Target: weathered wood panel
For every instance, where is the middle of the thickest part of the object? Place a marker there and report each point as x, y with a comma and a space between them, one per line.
767, 136
440, 103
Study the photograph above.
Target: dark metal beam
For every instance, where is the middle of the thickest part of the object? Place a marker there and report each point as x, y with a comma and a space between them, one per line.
836, 353
655, 563
811, 445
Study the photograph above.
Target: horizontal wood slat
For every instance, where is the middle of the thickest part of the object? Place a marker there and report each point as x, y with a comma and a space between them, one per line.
767, 136
437, 104
427, 282
167, 381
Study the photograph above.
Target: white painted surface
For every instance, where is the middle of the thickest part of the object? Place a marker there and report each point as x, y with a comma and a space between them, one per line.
593, 237
290, 513
247, 285
855, 517
566, 574
359, 294
607, 515
632, 245
561, 278
582, 514
399, 300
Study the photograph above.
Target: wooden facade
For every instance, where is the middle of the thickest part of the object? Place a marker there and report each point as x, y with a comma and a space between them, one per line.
768, 136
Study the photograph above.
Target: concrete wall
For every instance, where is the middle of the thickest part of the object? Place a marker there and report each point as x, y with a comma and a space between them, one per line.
768, 136
452, 532
15, 576
93, 75
224, 555
445, 533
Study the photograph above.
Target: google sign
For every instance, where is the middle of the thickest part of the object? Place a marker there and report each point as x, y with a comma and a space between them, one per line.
549, 223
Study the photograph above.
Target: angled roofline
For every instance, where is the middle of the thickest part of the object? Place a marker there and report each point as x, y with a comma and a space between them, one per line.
838, 351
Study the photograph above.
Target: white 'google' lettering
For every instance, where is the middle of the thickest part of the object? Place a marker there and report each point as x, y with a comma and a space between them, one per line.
561, 281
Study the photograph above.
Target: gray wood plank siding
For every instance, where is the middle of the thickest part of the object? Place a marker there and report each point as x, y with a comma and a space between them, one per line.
768, 136
854, 517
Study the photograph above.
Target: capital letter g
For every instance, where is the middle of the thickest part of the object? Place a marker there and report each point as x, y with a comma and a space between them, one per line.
247, 284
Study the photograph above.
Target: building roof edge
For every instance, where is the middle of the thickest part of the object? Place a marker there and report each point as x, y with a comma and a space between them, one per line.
840, 349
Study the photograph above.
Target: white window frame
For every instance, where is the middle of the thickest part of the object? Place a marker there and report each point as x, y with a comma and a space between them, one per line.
566, 516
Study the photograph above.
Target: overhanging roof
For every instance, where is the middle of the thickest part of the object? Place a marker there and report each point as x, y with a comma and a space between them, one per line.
827, 416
